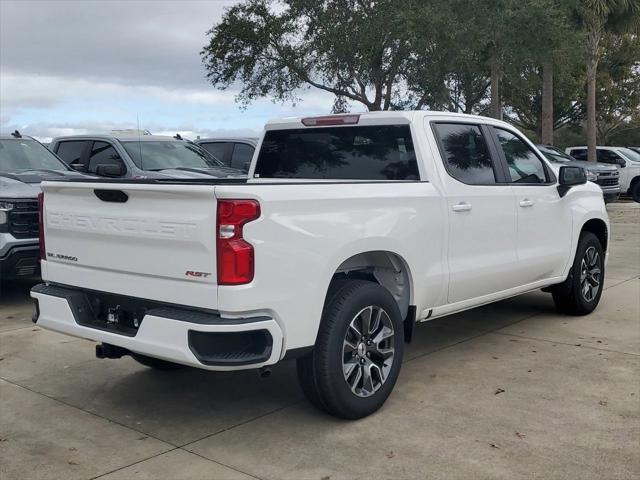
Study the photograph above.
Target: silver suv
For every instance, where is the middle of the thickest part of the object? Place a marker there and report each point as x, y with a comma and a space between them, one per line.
144, 156
24, 163
607, 176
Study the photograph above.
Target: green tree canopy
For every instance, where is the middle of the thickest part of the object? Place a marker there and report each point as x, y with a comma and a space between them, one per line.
355, 49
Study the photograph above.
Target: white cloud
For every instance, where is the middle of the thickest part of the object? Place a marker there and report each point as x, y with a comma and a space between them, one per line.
70, 67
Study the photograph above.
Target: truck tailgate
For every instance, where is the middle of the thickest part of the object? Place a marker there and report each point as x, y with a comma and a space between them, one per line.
154, 241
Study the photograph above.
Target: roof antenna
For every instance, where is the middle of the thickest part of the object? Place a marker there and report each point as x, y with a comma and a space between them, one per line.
177, 136
139, 142
16, 134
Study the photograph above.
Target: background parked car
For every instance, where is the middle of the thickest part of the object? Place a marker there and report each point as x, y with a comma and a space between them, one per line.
143, 156
24, 163
627, 161
635, 149
234, 152
607, 176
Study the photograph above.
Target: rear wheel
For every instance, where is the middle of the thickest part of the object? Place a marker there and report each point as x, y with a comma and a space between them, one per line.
581, 292
358, 353
155, 363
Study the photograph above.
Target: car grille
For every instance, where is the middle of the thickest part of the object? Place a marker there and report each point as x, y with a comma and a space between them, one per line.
607, 182
23, 219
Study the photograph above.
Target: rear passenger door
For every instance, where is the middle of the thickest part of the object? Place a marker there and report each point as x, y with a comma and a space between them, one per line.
73, 153
482, 218
543, 217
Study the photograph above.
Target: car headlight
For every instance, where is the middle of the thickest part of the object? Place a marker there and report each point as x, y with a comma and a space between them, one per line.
592, 176
5, 208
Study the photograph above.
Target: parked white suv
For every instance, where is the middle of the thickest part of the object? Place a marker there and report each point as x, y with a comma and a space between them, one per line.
349, 230
627, 161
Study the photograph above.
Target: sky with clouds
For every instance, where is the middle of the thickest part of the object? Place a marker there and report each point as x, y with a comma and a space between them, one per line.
82, 66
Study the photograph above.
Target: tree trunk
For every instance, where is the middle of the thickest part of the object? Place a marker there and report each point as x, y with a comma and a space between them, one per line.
495, 110
547, 102
591, 112
593, 55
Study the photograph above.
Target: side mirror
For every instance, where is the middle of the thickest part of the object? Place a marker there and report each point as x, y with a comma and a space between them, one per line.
110, 170
622, 162
570, 177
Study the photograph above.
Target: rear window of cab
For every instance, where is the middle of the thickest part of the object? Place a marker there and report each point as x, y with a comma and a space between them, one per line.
380, 152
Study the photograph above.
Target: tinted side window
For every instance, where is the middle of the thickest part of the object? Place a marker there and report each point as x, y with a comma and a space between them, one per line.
71, 151
579, 153
216, 149
241, 156
383, 152
103, 153
524, 165
607, 156
465, 153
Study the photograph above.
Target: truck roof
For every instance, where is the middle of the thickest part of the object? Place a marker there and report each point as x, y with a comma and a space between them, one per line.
381, 118
5, 136
252, 140
142, 138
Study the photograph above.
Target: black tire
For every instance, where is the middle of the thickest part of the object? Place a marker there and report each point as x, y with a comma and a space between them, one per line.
155, 363
321, 373
635, 191
569, 296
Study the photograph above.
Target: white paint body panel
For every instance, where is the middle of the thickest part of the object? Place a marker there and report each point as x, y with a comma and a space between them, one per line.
456, 260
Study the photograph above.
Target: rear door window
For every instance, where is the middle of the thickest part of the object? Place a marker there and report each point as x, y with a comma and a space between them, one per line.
465, 153
71, 151
579, 153
381, 152
217, 149
103, 153
241, 156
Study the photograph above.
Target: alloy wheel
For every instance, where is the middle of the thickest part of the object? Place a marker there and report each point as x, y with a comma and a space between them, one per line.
368, 352
590, 274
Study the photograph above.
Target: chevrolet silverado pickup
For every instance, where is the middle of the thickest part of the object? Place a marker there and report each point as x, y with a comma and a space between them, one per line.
348, 231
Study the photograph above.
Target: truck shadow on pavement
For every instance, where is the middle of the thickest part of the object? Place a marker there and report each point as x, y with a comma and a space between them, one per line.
183, 406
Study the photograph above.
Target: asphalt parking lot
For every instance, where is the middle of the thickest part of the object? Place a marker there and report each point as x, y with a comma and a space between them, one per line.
510, 390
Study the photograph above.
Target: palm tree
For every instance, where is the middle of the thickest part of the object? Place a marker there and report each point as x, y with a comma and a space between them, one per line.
597, 17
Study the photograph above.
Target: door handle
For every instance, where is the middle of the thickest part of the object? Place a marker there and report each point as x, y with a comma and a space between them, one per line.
462, 207
526, 203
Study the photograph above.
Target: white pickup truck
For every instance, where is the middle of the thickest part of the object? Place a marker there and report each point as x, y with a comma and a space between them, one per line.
349, 230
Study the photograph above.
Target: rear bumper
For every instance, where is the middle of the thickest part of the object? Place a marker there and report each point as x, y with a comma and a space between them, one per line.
194, 338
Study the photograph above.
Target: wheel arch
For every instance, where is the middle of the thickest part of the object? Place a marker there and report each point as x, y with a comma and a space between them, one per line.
599, 228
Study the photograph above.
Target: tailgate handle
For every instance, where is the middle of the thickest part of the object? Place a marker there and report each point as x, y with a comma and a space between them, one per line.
115, 196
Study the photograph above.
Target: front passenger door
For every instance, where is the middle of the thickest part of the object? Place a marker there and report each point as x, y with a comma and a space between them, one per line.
543, 217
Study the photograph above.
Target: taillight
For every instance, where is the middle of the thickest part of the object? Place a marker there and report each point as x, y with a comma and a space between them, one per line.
41, 225
235, 255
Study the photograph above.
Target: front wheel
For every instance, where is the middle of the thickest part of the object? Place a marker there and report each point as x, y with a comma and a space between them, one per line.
356, 360
580, 293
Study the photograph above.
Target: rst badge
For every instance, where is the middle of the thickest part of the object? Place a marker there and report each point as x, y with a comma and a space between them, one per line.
194, 274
